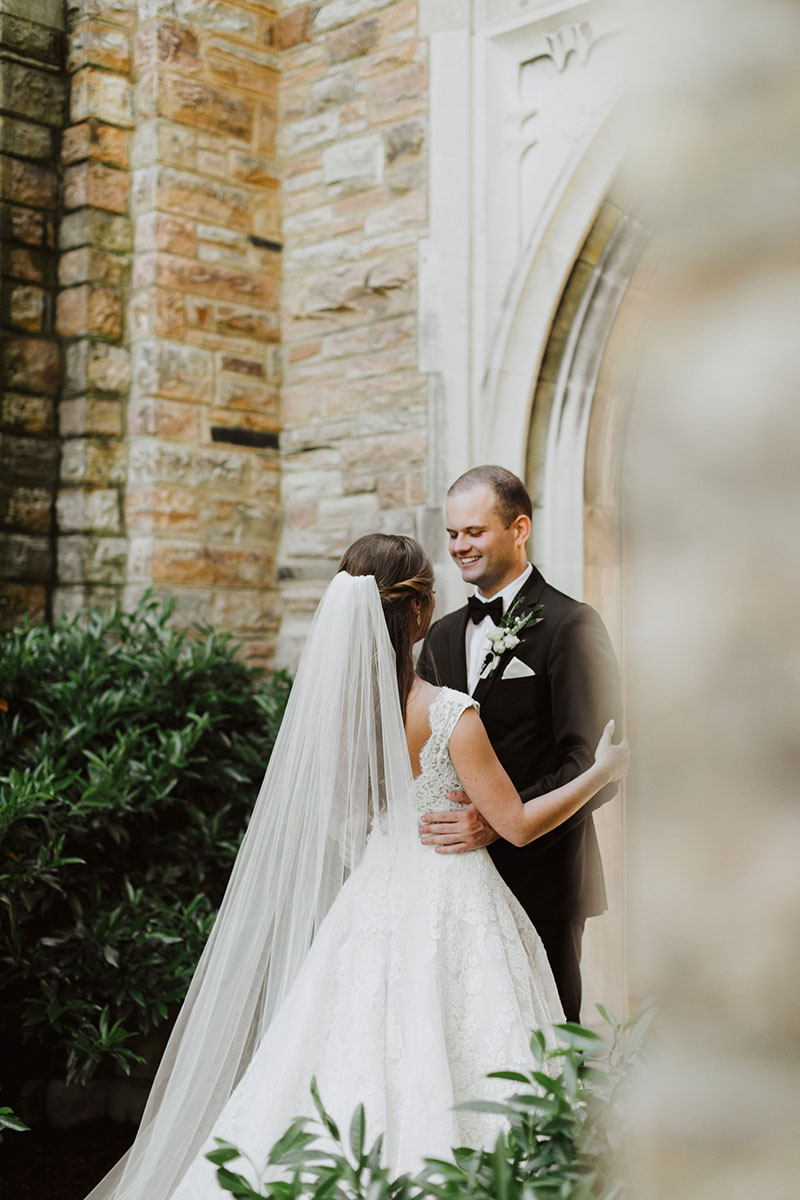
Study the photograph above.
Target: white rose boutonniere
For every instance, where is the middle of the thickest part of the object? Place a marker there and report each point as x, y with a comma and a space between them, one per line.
505, 636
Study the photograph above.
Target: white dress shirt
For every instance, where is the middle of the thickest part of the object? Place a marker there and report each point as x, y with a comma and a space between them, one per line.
477, 636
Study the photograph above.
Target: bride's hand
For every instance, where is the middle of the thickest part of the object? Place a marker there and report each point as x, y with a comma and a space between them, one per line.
615, 760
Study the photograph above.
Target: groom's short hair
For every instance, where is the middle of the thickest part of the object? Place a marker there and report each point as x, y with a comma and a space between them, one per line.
512, 499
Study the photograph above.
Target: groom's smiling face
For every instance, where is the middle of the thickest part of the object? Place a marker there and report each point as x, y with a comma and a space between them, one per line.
488, 554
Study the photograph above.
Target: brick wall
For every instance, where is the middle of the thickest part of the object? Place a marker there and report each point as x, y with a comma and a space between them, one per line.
202, 503
353, 134
31, 113
94, 274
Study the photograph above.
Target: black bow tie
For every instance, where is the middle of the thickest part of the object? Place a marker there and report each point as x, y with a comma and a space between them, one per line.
491, 608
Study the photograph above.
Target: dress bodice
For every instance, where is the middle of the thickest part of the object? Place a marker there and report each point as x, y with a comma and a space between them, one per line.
437, 774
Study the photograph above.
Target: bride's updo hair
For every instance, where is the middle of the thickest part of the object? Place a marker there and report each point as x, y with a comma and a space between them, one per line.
404, 575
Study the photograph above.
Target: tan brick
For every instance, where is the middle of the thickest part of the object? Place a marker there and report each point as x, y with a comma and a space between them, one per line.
93, 227
96, 366
195, 103
31, 364
294, 28
96, 93
212, 162
172, 370
188, 562
163, 231
158, 141
89, 310
26, 307
95, 185
236, 365
162, 508
190, 195
240, 396
88, 264
95, 141
165, 418
247, 322
167, 44
239, 68
98, 45
27, 225
205, 279
114, 12
376, 453
83, 415
249, 168
353, 40
158, 312
27, 183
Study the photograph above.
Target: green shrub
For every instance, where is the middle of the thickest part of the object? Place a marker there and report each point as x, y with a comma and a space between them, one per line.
562, 1127
130, 758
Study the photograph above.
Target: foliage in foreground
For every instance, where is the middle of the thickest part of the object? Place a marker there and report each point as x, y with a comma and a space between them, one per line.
560, 1138
131, 756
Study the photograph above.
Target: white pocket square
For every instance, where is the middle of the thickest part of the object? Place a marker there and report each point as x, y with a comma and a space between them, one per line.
517, 669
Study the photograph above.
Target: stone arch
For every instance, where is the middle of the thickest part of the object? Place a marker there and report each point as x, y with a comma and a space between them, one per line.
577, 403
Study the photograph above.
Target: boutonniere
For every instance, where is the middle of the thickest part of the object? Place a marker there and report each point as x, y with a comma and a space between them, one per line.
505, 636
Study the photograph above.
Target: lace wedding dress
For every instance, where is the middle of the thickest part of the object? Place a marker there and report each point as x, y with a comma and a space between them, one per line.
425, 975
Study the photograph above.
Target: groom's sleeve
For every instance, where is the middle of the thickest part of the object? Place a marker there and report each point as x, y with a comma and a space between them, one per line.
585, 694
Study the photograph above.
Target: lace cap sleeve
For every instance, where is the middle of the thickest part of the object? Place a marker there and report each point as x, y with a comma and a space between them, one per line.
445, 711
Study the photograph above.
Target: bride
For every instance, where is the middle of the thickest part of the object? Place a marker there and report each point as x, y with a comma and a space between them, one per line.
344, 948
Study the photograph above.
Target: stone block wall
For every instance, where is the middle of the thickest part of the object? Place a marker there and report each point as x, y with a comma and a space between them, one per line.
353, 146
32, 95
202, 494
94, 272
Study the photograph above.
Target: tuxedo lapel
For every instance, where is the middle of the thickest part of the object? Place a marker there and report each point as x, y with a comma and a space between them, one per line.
530, 592
458, 651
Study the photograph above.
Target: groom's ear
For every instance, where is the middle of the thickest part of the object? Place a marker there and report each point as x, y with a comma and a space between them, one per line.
522, 529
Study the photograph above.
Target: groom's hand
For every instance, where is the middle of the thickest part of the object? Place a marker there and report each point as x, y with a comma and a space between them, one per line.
458, 829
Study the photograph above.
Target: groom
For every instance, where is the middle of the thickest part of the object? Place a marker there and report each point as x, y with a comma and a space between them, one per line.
544, 703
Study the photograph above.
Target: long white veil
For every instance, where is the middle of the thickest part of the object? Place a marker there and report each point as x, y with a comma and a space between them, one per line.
339, 770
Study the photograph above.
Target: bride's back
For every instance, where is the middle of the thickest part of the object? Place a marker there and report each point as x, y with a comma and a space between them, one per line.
417, 723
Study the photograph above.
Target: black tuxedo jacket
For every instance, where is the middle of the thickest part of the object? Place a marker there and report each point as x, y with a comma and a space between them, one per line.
544, 729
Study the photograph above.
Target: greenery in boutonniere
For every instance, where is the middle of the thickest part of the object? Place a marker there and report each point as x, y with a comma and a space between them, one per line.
505, 636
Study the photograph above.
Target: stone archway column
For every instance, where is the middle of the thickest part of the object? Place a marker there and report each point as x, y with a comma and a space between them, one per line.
202, 488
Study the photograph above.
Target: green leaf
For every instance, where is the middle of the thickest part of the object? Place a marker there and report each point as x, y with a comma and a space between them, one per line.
357, 1131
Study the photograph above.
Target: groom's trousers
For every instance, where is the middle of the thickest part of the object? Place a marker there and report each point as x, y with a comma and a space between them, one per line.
562, 941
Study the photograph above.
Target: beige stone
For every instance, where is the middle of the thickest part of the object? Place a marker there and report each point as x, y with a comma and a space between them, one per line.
96, 185
26, 307
88, 509
96, 366
91, 227
89, 310
83, 415
164, 231
96, 93
171, 419
92, 139
195, 103
172, 370
98, 45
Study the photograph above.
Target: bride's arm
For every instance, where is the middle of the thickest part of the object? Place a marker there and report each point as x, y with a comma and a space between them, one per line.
494, 795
